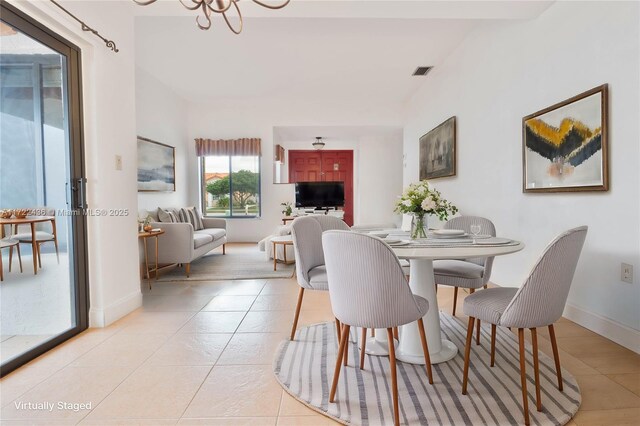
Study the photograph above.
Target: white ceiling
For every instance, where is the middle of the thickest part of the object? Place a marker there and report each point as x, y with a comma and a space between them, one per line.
310, 50
284, 134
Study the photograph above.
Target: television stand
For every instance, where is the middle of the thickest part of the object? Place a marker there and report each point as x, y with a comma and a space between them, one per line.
330, 211
324, 209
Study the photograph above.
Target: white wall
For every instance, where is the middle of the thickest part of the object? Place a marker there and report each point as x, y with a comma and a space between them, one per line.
110, 129
161, 115
503, 72
380, 180
257, 119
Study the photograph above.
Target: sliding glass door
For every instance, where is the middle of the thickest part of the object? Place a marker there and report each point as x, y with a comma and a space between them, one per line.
43, 292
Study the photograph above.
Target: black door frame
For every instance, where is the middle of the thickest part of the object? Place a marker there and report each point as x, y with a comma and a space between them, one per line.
78, 245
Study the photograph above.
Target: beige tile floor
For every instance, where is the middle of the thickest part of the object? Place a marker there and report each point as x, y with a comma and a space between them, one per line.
207, 361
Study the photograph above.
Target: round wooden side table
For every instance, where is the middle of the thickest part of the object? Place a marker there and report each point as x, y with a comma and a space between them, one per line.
145, 237
285, 241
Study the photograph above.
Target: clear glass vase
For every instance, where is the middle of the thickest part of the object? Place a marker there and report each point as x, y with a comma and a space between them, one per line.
419, 226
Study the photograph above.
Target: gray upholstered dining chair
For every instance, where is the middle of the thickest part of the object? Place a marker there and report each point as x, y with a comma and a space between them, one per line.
45, 232
368, 289
468, 273
306, 233
538, 303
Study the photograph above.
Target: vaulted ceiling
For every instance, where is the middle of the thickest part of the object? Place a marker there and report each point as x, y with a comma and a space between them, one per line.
311, 50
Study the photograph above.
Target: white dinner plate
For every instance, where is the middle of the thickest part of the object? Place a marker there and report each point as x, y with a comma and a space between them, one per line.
391, 240
445, 236
448, 232
400, 243
493, 241
379, 234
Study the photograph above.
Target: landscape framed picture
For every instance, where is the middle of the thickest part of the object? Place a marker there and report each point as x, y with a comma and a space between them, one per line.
438, 151
156, 166
565, 146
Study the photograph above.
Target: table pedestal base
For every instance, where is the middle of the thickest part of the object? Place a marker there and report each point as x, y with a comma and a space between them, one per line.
447, 351
422, 283
379, 345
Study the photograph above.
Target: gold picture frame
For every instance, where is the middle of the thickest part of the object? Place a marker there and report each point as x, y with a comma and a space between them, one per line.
565, 146
438, 151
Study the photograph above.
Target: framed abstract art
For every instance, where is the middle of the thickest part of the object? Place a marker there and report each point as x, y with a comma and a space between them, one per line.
565, 146
438, 151
156, 166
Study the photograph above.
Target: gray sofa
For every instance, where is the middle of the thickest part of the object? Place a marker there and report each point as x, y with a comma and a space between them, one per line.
181, 244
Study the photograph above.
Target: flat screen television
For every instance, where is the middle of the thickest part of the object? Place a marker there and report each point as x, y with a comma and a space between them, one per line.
319, 194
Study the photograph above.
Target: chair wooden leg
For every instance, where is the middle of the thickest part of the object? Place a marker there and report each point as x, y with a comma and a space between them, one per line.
536, 370
297, 314
224, 248
455, 300
345, 358
363, 345
556, 355
493, 344
477, 331
485, 286
338, 329
467, 352
394, 377
339, 354
395, 333
373, 332
55, 242
187, 269
10, 257
472, 290
523, 377
19, 256
39, 259
425, 350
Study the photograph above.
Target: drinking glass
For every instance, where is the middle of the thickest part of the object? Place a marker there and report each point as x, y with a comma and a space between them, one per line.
475, 230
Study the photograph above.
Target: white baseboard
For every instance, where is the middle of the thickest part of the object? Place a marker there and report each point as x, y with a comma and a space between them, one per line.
612, 330
102, 317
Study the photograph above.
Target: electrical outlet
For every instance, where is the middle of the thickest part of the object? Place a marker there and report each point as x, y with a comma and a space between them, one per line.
626, 273
118, 162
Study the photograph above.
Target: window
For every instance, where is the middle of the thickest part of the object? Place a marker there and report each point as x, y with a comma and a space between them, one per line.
231, 186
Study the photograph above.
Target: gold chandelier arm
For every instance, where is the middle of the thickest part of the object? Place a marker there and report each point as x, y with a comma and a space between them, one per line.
272, 7
144, 2
223, 9
207, 17
224, 15
196, 2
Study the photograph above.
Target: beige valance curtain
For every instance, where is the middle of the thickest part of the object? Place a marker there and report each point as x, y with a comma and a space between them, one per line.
244, 146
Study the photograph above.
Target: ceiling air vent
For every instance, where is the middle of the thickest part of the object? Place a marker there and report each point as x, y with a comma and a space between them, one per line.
420, 71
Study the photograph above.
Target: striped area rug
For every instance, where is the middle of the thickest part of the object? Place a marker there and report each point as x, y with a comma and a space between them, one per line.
304, 367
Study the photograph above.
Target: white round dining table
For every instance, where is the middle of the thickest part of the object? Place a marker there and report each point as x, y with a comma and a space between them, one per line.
422, 283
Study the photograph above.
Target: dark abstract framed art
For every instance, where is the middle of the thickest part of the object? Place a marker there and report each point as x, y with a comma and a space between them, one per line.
438, 151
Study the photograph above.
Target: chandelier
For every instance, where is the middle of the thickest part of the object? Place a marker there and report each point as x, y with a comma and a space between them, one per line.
216, 6
318, 143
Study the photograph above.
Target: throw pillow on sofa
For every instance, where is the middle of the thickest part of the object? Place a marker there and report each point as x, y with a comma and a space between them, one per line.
191, 215
167, 216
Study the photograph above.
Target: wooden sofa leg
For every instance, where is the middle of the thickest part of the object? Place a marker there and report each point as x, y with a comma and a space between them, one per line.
224, 248
187, 268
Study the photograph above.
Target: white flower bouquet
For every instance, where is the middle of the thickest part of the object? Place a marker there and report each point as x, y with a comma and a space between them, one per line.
420, 199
